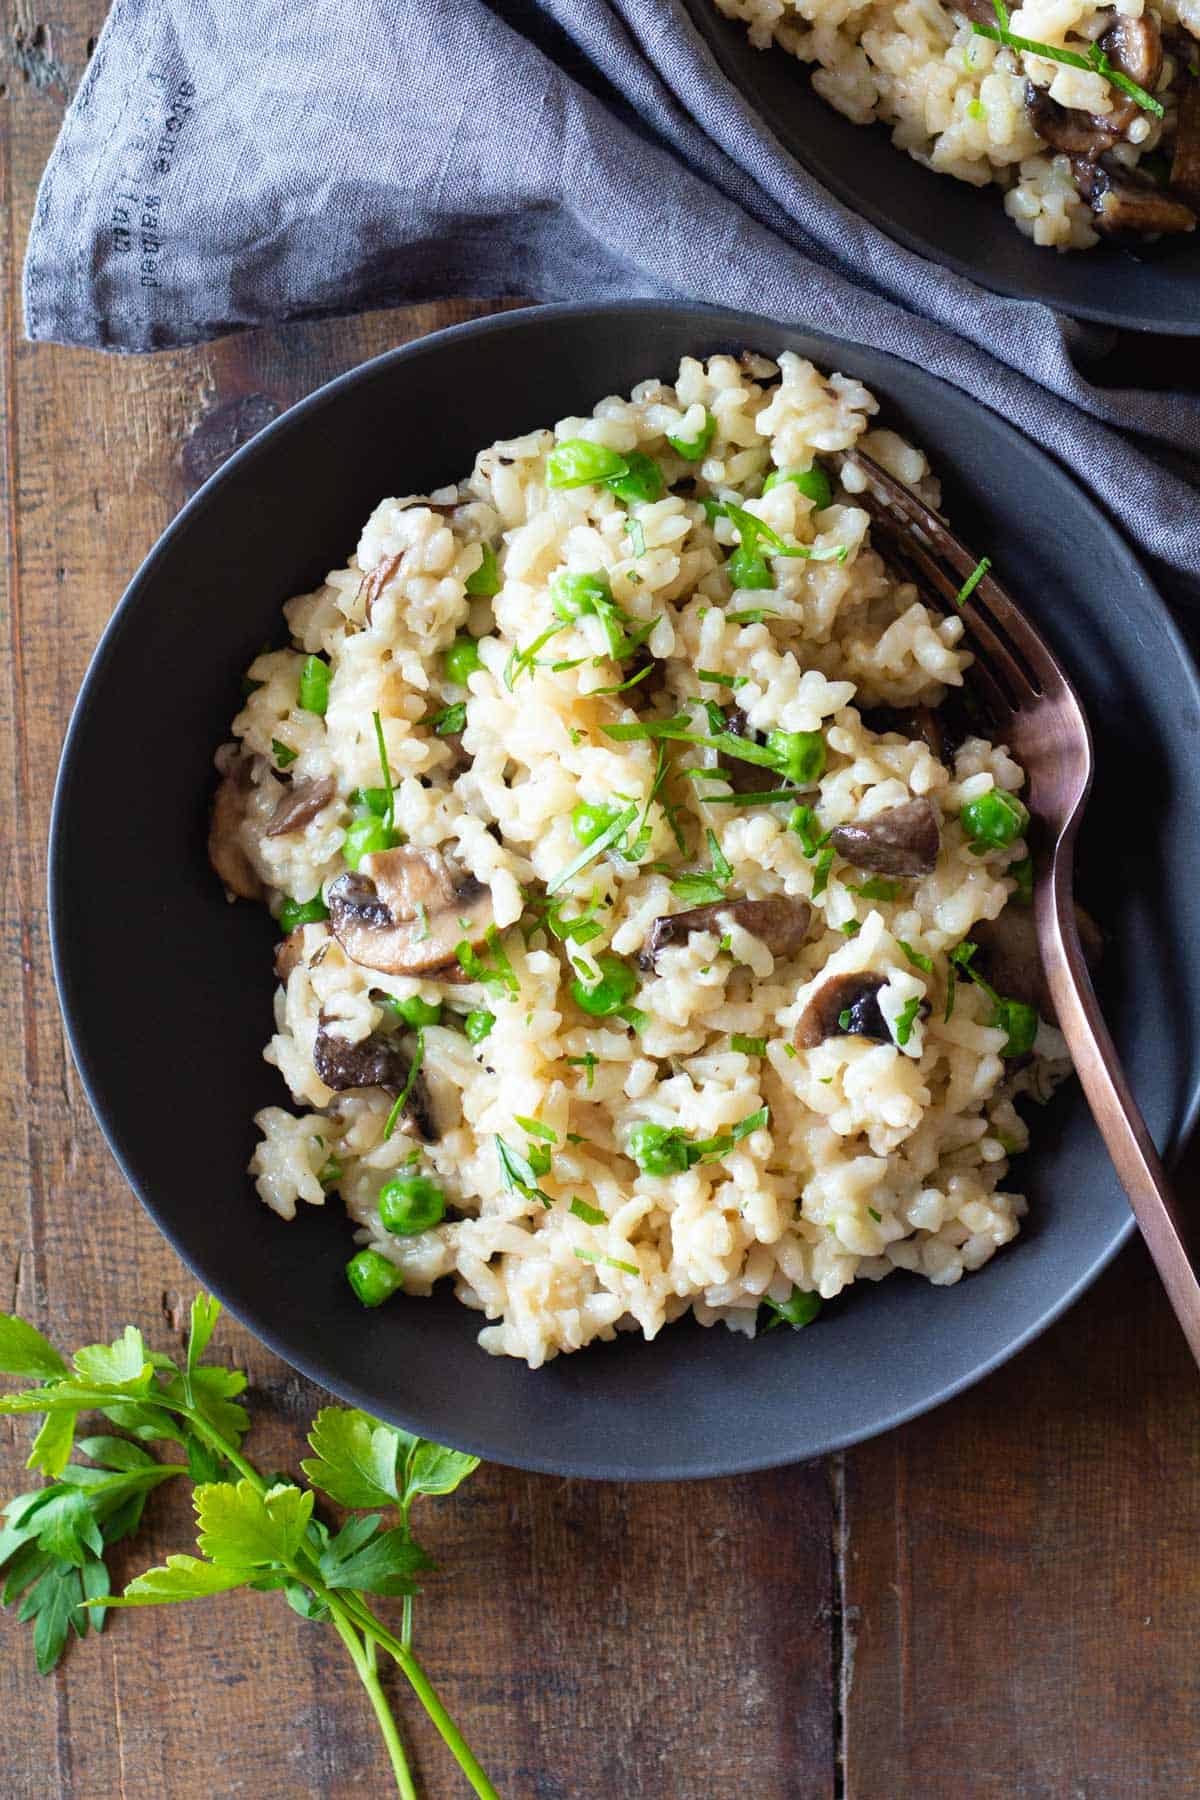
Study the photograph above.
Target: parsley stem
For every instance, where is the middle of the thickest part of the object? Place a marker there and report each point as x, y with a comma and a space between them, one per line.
363, 1659
425, 1691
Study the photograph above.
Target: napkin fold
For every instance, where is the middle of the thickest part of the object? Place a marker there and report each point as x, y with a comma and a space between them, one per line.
224, 166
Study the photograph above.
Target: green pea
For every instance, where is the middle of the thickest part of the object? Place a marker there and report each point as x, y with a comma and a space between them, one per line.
462, 658
577, 462
995, 819
800, 755
575, 595
748, 567
302, 912
410, 1203
616, 987
813, 484
1019, 1021
367, 837
589, 821
373, 1278
414, 1010
694, 448
314, 685
478, 1025
658, 1149
486, 579
641, 479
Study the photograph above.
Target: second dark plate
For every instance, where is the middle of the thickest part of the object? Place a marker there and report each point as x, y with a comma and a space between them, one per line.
1154, 288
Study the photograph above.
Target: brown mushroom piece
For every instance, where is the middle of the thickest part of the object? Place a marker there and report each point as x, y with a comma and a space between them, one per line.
374, 1062
780, 923
921, 723
1066, 128
405, 911
1185, 163
1134, 48
1128, 204
745, 777
903, 840
853, 997
226, 852
300, 805
1009, 958
288, 952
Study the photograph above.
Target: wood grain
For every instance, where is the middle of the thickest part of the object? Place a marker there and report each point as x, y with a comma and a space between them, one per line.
1000, 1600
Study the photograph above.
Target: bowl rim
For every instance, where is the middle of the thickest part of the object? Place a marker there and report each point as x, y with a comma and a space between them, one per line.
87, 1064
719, 34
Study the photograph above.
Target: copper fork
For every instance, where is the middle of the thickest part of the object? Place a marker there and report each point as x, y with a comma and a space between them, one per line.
1044, 724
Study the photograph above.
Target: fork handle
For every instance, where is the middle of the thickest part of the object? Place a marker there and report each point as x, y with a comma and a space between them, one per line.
1114, 1108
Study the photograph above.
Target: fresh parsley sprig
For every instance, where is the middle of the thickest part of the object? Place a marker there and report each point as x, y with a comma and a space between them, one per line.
252, 1532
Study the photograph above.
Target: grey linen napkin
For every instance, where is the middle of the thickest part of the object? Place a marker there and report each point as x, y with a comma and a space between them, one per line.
227, 165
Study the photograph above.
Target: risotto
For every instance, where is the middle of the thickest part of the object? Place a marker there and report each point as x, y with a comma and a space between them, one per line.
1099, 134
641, 899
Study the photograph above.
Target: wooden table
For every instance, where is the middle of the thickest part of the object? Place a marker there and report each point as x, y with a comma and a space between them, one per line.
999, 1600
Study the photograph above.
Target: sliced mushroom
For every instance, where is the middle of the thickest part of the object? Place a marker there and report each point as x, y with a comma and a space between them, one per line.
1134, 48
745, 777
226, 852
405, 911
377, 1061
1185, 164
300, 805
1127, 203
904, 840
1066, 128
1009, 957
913, 722
781, 923
981, 11
374, 582
288, 952
855, 994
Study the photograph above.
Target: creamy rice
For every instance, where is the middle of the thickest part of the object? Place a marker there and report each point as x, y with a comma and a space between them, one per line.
872, 1155
956, 101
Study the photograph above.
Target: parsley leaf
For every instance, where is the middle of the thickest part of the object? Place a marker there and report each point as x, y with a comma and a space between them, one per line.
356, 1457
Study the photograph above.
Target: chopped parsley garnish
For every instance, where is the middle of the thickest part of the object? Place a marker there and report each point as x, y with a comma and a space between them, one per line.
751, 615
851, 928
611, 1262
620, 686
878, 889
791, 1050
729, 681
905, 1020
877, 1216
423, 920
845, 1020
821, 872
499, 973
519, 660
637, 536
699, 888
401, 1101
591, 1215
450, 721
973, 580
748, 1046
1095, 60
798, 1310
596, 848
535, 1128
587, 1062
765, 797
283, 756
806, 825
389, 811
747, 567
518, 1174
924, 963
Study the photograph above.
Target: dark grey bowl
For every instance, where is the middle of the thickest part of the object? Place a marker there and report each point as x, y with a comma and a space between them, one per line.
1154, 287
167, 990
